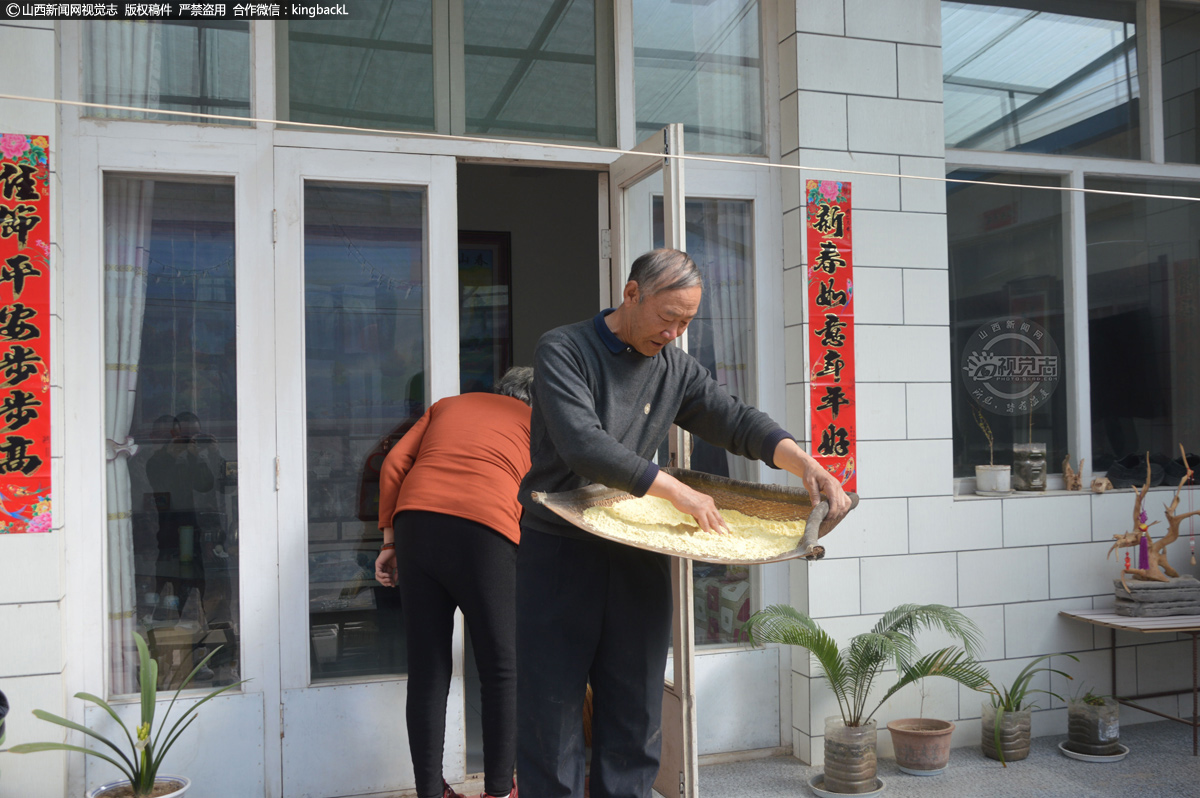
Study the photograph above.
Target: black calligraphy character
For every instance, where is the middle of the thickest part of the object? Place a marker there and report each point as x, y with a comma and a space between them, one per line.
827, 297
829, 220
829, 260
18, 410
16, 182
831, 334
833, 364
834, 442
15, 270
834, 398
18, 364
18, 221
14, 323
16, 458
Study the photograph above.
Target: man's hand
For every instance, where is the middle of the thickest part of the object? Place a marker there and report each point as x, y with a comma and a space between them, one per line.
687, 500
817, 481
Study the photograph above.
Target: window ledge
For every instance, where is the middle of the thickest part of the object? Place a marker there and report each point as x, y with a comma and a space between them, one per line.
965, 491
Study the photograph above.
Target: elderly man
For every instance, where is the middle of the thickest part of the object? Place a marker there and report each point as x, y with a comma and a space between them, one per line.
606, 392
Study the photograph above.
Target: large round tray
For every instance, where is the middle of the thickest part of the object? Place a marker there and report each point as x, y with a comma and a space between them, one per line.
771, 502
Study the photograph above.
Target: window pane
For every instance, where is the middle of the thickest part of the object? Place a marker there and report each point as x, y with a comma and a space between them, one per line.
375, 70
1181, 82
1054, 77
721, 336
364, 255
1143, 320
1006, 262
531, 68
700, 64
171, 423
200, 67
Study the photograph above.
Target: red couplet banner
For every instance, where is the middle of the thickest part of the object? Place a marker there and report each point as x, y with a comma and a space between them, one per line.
24, 333
831, 328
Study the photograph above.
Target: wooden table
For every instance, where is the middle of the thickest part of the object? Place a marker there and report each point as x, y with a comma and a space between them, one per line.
1179, 624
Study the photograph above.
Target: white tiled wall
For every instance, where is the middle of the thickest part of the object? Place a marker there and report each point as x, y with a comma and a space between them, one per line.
871, 73
31, 566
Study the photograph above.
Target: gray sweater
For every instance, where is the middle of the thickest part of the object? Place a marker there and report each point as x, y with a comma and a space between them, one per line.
601, 409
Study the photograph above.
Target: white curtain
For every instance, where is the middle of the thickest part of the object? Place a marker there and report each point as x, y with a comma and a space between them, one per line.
727, 231
124, 66
127, 213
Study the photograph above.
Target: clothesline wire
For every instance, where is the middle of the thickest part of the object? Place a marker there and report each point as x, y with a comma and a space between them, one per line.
581, 148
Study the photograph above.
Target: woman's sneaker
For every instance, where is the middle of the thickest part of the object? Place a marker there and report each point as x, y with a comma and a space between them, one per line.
512, 794
448, 791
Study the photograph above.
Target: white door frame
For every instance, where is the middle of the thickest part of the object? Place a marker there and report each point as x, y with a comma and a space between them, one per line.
85, 491
349, 710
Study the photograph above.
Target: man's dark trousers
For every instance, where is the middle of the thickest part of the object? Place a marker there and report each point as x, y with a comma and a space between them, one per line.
598, 610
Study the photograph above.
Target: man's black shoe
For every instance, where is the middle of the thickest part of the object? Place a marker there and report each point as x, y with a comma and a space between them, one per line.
1130, 472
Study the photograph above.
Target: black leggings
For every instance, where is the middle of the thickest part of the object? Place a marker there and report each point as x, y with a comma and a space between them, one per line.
446, 563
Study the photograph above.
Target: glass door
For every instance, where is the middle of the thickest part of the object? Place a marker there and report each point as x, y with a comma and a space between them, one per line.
367, 331
640, 185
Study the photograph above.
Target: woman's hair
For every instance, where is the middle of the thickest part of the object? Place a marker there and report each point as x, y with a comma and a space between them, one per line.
664, 270
517, 382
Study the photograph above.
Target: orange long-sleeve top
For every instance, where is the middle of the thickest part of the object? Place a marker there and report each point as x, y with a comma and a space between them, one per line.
465, 457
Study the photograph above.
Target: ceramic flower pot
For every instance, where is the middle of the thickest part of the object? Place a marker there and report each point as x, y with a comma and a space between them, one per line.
1014, 734
1094, 729
850, 762
993, 479
922, 745
122, 788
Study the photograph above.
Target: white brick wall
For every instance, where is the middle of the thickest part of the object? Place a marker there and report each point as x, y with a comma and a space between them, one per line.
32, 657
861, 91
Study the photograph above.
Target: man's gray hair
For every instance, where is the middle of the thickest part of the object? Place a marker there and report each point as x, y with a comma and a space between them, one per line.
664, 270
517, 382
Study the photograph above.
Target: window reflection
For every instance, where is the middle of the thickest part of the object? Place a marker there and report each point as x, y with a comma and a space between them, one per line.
1006, 260
171, 422
364, 257
700, 64
1143, 264
201, 66
1181, 83
1062, 80
373, 70
721, 337
530, 68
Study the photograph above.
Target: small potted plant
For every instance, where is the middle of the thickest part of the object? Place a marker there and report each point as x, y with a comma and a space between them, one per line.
140, 760
1093, 725
990, 479
1007, 719
850, 758
921, 744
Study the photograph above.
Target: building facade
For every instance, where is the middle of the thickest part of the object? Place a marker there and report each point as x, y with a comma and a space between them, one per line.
254, 296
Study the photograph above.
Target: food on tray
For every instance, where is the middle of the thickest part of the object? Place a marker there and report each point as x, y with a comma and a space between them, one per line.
655, 523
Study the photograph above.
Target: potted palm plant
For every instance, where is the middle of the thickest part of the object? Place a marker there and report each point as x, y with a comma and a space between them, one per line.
140, 760
1007, 719
850, 759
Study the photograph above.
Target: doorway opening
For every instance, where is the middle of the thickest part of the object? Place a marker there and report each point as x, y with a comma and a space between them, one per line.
529, 247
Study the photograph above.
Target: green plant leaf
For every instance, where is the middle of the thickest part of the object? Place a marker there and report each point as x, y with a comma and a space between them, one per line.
781, 623
112, 713
33, 748
148, 676
172, 736
187, 680
951, 662
49, 717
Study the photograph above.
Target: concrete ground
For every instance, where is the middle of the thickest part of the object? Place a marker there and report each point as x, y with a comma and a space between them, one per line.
1159, 765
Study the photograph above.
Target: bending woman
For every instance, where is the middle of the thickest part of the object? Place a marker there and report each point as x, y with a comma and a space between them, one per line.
448, 505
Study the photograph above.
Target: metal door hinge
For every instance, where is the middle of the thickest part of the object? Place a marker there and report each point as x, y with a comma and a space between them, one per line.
606, 243
681, 783
276, 474
274, 225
